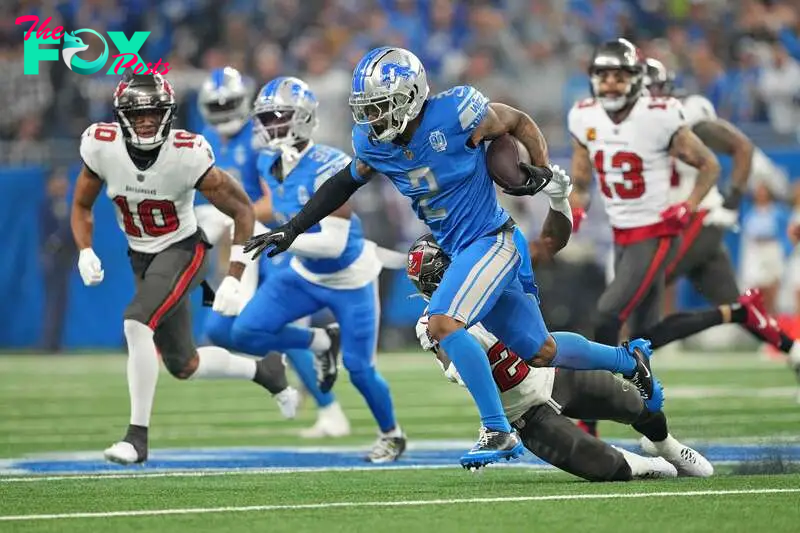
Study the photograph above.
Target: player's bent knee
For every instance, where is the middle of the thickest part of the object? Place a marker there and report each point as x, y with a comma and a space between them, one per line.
440, 326
546, 353
219, 330
181, 367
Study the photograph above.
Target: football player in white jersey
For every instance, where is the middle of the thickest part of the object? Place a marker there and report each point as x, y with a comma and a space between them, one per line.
629, 139
538, 402
702, 256
151, 172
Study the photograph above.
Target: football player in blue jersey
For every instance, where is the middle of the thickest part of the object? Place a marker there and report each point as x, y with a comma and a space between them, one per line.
432, 149
225, 101
333, 265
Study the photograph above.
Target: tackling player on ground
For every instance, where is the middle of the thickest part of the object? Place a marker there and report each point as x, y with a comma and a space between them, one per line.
432, 149
538, 401
151, 172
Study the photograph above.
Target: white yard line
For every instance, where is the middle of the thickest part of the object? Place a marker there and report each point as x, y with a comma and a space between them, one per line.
402, 503
258, 471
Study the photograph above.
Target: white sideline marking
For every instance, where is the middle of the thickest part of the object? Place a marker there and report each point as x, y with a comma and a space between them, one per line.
256, 471
407, 503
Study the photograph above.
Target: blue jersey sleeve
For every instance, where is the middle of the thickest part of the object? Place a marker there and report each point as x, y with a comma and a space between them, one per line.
336, 161
251, 180
361, 148
471, 107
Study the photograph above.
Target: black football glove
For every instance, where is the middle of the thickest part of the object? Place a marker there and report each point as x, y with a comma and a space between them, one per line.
538, 178
277, 241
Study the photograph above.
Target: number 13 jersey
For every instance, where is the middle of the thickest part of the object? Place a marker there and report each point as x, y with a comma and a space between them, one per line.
155, 206
631, 159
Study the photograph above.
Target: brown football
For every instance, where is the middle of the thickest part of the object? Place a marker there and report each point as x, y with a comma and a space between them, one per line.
502, 159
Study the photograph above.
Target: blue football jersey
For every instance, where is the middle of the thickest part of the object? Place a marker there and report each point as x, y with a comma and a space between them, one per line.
446, 179
237, 157
315, 167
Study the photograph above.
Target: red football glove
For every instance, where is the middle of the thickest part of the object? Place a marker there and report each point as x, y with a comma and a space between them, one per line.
676, 217
578, 215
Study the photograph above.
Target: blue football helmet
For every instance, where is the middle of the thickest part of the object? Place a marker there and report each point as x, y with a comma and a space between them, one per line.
389, 88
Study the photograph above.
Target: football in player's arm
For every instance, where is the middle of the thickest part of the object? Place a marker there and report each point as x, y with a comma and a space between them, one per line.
336, 191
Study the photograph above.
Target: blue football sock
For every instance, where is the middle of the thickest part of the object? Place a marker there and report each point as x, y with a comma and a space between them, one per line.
376, 393
577, 352
473, 366
303, 363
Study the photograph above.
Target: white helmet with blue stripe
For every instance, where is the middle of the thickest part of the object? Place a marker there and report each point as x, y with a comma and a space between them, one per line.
285, 113
389, 89
224, 100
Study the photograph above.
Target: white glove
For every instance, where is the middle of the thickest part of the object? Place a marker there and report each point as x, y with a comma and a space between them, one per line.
90, 268
560, 185
228, 301
725, 218
423, 336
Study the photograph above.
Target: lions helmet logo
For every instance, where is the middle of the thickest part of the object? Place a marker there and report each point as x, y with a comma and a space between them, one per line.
414, 264
391, 71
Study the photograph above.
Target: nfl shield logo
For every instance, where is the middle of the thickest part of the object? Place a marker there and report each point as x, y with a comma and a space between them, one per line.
414, 264
438, 141
140, 177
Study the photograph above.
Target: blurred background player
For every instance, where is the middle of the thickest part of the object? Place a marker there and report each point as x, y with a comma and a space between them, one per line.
629, 139
539, 400
225, 102
431, 148
702, 256
151, 172
333, 266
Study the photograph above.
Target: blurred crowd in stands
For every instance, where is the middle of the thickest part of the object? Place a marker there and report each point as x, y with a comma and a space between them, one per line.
744, 55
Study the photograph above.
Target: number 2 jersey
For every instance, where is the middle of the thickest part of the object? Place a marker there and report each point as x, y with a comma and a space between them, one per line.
155, 206
631, 160
446, 179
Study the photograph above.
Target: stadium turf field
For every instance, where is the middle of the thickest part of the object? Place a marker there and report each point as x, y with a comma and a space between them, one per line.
223, 459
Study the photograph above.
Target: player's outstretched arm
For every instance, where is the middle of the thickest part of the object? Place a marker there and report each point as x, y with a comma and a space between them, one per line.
227, 195
87, 189
329, 197
688, 147
723, 137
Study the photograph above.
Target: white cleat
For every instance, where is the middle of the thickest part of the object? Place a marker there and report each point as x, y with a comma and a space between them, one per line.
331, 422
648, 467
288, 401
687, 461
122, 453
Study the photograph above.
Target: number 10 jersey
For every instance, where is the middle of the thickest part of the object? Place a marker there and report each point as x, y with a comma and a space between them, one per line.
155, 206
631, 159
